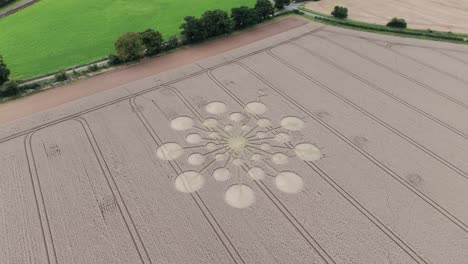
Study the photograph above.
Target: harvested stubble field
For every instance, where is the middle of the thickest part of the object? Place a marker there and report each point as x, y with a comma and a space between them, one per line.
317, 145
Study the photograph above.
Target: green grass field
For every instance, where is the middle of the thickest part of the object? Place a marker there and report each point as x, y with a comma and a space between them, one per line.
54, 34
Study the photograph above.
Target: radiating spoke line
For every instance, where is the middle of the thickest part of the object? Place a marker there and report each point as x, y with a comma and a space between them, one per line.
263, 160
251, 151
251, 137
273, 130
246, 171
192, 147
222, 153
226, 134
269, 165
219, 130
252, 130
256, 144
228, 161
256, 139
213, 151
191, 181
250, 146
248, 120
282, 147
273, 146
239, 179
209, 139
207, 166
202, 129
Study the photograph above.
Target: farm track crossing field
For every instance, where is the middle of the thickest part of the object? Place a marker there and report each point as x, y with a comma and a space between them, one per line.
317, 145
54, 34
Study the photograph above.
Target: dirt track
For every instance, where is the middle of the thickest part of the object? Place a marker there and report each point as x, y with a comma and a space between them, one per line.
317, 145
441, 15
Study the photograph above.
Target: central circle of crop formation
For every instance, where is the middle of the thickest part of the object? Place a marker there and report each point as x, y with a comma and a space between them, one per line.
237, 144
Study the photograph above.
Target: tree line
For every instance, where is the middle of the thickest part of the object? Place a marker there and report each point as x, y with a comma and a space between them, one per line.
135, 45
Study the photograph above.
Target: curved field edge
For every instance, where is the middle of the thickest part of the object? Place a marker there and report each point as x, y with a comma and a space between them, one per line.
54, 34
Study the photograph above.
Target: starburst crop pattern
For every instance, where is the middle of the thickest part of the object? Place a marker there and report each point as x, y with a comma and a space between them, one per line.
238, 148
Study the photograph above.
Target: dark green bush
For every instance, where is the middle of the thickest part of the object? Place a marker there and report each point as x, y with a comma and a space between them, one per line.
193, 30
243, 17
5, 2
32, 86
129, 46
152, 40
10, 88
93, 68
113, 60
297, 11
340, 12
280, 4
61, 76
75, 73
216, 23
285, 12
172, 43
4, 71
264, 9
397, 23
212, 23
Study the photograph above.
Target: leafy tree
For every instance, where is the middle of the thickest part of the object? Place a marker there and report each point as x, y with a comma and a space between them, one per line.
216, 23
282, 3
397, 23
264, 9
152, 40
193, 30
244, 17
4, 71
129, 46
340, 12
